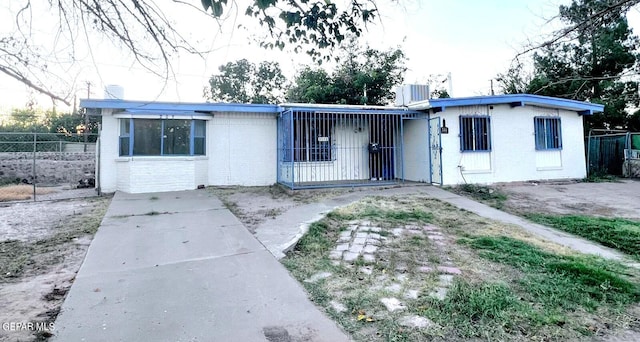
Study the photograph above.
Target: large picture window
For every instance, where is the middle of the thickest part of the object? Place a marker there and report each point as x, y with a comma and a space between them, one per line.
155, 137
475, 133
548, 133
147, 137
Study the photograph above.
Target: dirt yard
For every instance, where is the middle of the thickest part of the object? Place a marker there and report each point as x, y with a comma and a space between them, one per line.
608, 199
254, 205
619, 199
42, 245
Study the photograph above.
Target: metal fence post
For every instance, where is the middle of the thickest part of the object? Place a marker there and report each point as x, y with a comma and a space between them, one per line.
627, 154
34, 166
589, 153
97, 173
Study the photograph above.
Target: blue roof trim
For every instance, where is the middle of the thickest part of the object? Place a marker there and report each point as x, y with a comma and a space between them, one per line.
184, 108
161, 112
351, 109
437, 105
162, 107
583, 108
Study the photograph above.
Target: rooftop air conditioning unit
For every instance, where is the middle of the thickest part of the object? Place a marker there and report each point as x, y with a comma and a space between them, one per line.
114, 92
410, 93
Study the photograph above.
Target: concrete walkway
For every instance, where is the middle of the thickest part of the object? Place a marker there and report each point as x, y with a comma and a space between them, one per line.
180, 267
282, 233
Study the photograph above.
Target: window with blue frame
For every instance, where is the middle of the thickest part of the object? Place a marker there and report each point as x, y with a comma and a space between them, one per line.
548, 133
125, 136
475, 133
166, 137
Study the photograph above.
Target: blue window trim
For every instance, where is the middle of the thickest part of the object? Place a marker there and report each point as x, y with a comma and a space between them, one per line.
192, 137
203, 136
131, 138
475, 133
192, 134
162, 135
548, 132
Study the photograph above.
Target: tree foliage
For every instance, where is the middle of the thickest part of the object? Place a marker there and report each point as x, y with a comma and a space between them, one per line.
312, 85
436, 86
142, 28
245, 82
363, 76
594, 65
32, 119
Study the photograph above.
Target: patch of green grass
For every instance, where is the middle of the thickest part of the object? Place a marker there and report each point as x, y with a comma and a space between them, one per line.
9, 181
311, 254
533, 295
479, 310
418, 241
600, 177
482, 193
317, 241
557, 281
390, 216
620, 234
541, 301
14, 257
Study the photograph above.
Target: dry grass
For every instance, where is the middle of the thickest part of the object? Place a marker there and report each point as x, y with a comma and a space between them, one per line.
21, 192
517, 232
514, 285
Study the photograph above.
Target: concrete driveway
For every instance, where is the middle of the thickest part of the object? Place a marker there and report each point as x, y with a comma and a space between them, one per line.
179, 266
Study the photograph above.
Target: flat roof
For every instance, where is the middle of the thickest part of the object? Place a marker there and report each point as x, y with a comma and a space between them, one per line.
438, 105
515, 100
159, 106
185, 108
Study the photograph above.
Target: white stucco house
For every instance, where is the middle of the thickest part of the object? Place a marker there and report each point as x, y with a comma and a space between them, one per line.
164, 146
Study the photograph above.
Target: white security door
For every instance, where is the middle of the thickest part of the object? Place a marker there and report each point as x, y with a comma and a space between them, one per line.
435, 151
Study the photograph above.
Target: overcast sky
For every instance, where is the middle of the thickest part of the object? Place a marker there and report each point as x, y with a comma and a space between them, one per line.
473, 40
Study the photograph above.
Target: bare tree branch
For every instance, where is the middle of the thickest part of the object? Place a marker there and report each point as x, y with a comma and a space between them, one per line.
585, 80
595, 19
142, 29
15, 74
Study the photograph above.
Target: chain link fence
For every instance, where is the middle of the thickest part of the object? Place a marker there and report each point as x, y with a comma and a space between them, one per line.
44, 166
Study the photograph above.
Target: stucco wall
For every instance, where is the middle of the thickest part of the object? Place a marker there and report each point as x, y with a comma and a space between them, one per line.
513, 156
416, 150
242, 149
108, 180
51, 167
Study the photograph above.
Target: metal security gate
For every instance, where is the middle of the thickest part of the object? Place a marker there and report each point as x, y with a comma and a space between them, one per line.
339, 146
285, 149
435, 151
